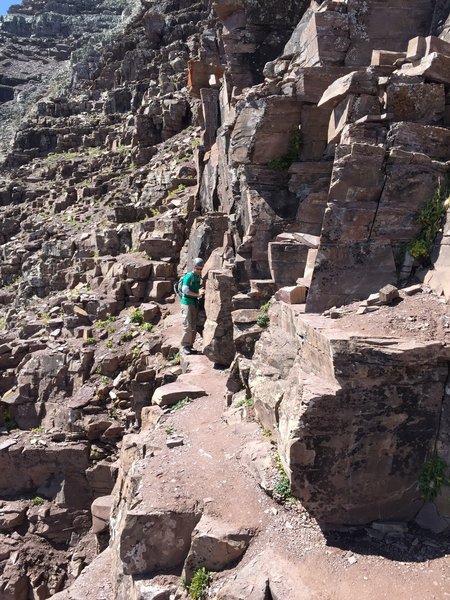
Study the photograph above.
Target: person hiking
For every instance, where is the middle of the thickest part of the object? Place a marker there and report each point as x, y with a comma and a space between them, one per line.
190, 295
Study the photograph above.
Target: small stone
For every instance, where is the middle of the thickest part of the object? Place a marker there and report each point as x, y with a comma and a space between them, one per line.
412, 289
390, 526
388, 294
373, 299
174, 441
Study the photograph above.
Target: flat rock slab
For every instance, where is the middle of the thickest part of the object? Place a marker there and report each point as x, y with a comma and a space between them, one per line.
7, 444
82, 397
171, 393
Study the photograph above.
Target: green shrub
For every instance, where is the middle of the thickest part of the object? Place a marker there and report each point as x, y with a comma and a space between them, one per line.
126, 337
292, 153
37, 501
199, 584
175, 359
137, 316
430, 220
263, 319
248, 402
433, 477
282, 488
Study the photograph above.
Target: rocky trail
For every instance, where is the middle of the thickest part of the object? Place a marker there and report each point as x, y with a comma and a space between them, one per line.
301, 150
219, 462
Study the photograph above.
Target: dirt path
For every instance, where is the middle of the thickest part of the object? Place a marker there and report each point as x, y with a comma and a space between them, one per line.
348, 565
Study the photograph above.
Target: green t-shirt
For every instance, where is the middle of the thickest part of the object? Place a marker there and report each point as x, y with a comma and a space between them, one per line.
193, 282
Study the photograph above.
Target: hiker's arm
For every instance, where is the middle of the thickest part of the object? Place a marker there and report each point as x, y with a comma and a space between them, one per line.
188, 292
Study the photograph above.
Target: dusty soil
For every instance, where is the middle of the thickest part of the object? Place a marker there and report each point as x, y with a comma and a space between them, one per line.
422, 316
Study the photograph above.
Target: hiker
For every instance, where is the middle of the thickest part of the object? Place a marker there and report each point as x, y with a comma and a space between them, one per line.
190, 296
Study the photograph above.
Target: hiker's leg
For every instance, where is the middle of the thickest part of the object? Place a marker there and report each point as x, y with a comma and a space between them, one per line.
189, 313
194, 319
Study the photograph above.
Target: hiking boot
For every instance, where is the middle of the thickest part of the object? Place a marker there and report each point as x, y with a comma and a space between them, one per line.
186, 350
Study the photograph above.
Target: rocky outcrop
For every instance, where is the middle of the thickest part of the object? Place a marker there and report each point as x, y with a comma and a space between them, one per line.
343, 423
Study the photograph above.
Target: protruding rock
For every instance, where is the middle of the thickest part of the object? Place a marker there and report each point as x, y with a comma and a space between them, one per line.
101, 512
215, 545
171, 393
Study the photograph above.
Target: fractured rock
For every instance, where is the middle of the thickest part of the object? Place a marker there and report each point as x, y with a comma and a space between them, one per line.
215, 546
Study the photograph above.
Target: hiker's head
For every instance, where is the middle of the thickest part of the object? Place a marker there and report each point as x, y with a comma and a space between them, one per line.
199, 263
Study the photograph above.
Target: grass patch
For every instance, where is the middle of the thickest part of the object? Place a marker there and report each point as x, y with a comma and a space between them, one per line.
136, 316
248, 402
180, 404
126, 337
175, 359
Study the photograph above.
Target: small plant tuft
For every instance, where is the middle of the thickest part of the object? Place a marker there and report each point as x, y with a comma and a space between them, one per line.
430, 220
175, 359
433, 477
37, 430
126, 337
199, 584
282, 489
263, 319
37, 501
248, 402
292, 153
137, 316
180, 404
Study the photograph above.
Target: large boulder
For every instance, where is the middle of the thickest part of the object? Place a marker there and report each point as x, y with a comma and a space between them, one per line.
356, 417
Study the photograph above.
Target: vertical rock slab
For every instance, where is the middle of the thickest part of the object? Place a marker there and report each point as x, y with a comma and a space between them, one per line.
218, 330
370, 29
